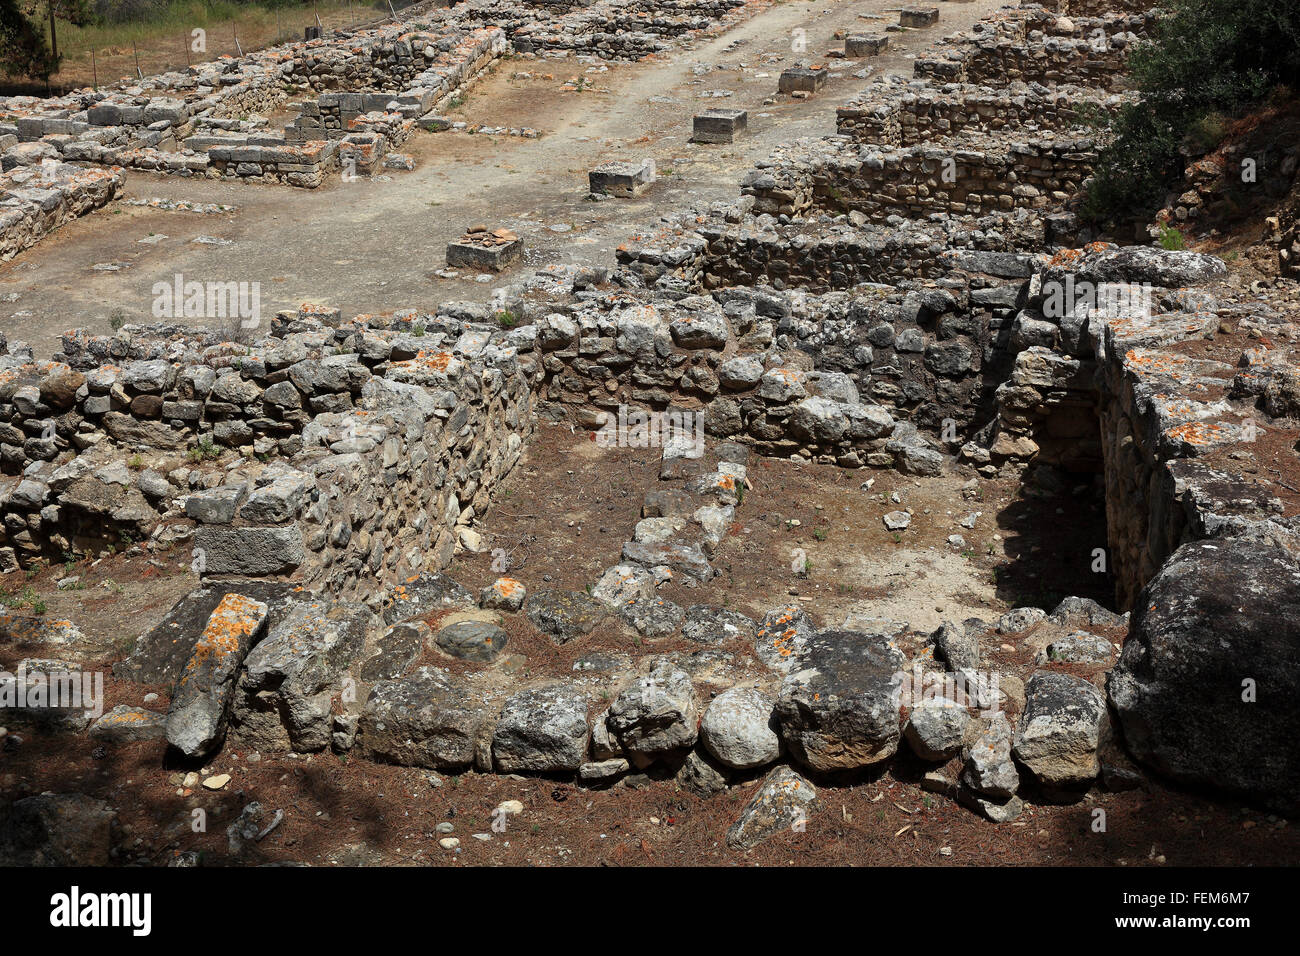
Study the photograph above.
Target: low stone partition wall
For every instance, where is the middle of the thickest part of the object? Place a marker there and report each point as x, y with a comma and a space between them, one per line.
1100, 62
906, 114
820, 258
1092, 8
844, 378
713, 249
36, 200
969, 178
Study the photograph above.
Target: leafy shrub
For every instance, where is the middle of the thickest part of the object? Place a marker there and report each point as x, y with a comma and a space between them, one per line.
1207, 61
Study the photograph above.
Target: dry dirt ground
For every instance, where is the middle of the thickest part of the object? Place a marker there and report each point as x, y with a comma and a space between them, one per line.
372, 246
561, 517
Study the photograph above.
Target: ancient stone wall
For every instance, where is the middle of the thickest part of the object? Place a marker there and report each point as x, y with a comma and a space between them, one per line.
886, 115
968, 178
36, 200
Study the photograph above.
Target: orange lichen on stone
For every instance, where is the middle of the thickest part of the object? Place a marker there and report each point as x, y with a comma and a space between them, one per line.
507, 587
427, 359
232, 622
1198, 433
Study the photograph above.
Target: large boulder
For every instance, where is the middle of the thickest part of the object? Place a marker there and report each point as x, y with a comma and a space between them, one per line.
428, 719
542, 730
1059, 730
290, 679
161, 653
655, 717
1207, 688
839, 705
739, 729
200, 705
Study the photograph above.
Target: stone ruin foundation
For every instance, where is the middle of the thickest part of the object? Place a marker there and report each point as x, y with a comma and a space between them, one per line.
850, 307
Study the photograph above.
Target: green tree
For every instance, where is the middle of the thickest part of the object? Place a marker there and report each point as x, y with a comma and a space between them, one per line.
24, 50
1205, 57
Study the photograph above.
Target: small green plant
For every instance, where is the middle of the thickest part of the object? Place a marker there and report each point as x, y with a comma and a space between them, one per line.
135, 462
506, 319
117, 318
1171, 239
819, 534
204, 450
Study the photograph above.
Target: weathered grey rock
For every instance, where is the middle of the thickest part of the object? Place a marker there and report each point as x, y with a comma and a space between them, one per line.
57, 829
216, 505
1207, 688
688, 559
1020, 619
428, 719
604, 745
563, 615
655, 717
839, 705
897, 520
989, 770
125, 724
1084, 613
739, 728
200, 705
995, 810
394, 651
741, 372
957, 645
542, 730
705, 624
653, 617
280, 499
1059, 730
473, 640
249, 551
623, 583
700, 777
598, 772
782, 636
421, 595
782, 801
936, 728
503, 594
1078, 647
1170, 269
291, 677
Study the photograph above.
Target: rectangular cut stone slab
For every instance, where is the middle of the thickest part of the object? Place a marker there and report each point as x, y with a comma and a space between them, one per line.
619, 179
464, 255
250, 551
802, 79
196, 721
719, 126
918, 17
865, 44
